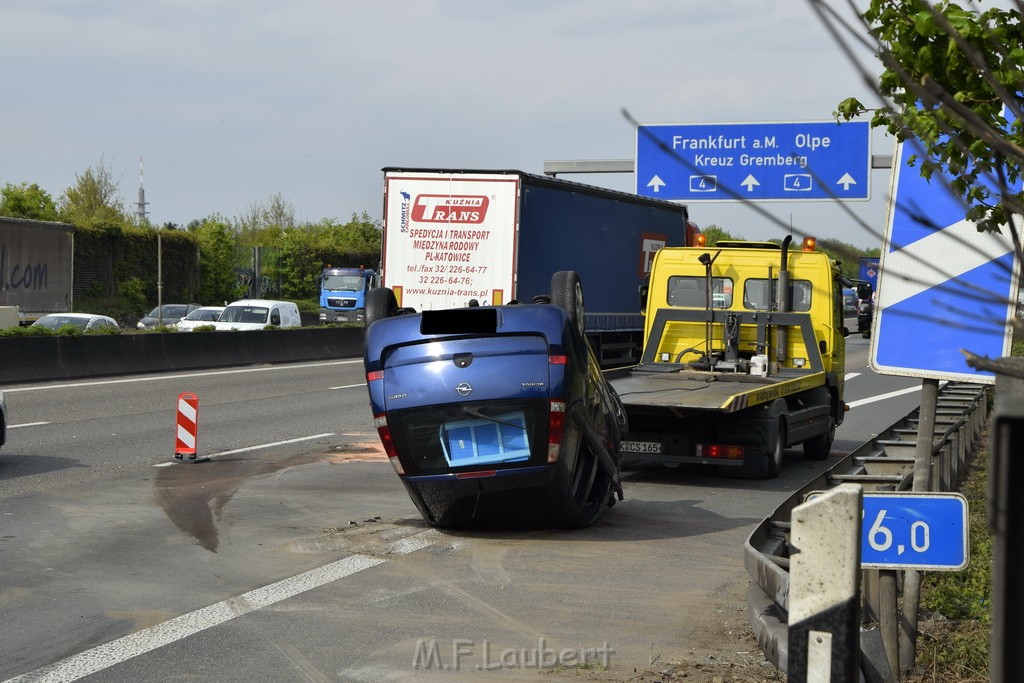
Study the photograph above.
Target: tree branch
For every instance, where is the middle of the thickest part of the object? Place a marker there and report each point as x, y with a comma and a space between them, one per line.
1006, 367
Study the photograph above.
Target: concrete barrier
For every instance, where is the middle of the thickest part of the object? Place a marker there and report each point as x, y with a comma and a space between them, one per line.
37, 359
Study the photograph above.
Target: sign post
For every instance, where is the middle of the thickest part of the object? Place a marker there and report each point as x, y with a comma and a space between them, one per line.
796, 161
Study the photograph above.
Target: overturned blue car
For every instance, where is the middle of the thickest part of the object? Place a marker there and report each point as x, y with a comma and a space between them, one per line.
495, 416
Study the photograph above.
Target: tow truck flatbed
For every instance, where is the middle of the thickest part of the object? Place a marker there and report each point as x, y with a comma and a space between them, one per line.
695, 390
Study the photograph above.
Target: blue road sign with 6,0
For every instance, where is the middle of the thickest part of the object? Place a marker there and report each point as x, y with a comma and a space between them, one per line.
914, 531
813, 160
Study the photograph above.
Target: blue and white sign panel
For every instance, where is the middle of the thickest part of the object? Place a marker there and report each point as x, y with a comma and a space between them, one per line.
943, 286
913, 530
793, 161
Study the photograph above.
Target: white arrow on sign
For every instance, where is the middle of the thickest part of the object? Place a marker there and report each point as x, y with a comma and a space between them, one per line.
750, 182
948, 257
657, 183
846, 181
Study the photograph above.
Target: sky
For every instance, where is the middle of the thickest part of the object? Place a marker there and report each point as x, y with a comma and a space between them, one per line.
230, 102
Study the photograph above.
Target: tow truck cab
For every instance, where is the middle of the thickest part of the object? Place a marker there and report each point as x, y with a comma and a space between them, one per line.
744, 356
744, 278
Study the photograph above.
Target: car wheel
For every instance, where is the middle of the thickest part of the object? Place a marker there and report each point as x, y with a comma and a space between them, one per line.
567, 294
380, 303
820, 447
583, 483
767, 463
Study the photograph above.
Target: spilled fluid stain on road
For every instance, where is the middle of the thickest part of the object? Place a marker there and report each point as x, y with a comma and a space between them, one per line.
193, 495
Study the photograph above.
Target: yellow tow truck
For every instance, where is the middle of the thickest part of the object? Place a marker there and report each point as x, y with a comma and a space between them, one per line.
744, 356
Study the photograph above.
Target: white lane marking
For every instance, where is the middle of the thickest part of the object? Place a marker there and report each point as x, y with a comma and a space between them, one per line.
851, 375
156, 378
257, 447
347, 386
882, 397
404, 546
27, 424
147, 640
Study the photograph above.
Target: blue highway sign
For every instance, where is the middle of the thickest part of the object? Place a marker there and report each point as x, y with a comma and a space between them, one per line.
794, 161
943, 286
914, 531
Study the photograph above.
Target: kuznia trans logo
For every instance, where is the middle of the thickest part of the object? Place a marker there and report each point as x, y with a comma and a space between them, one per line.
404, 220
448, 208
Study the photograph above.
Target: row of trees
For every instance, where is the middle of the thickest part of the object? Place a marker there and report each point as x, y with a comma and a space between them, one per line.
300, 250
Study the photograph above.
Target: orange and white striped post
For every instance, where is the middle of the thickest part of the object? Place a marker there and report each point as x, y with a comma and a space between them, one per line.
188, 422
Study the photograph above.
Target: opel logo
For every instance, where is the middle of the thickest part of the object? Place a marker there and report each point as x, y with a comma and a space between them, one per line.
464, 389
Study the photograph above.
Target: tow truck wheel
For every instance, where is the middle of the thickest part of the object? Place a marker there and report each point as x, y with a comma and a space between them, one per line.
775, 455
567, 294
380, 303
820, 447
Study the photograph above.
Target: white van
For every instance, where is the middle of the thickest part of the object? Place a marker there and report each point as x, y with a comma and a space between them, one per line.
256, 314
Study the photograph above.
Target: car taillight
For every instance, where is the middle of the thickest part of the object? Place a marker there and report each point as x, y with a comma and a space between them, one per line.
381, 423
556, 427
721, 451
476, 475
374, 375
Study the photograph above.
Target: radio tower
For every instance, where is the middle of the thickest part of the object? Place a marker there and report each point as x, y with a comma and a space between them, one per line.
140, 211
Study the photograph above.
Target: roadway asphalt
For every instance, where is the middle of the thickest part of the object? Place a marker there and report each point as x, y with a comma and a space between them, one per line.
296, 553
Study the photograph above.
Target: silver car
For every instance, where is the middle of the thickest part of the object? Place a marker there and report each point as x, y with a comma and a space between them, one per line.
83, 321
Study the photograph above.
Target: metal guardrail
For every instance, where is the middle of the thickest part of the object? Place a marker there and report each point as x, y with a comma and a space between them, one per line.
886, 463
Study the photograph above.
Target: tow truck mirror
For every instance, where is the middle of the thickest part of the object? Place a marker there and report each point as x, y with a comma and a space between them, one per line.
864, 291
643, 295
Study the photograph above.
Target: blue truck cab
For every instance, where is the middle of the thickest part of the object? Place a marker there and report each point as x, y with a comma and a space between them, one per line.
494, 415
343, 294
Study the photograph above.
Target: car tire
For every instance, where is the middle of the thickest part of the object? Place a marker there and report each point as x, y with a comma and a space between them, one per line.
380, 303
567, 294
582, 483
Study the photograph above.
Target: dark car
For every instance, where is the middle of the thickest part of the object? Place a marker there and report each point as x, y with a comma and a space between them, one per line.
168, 314
867, 309
3, 419
495, 415
850, 302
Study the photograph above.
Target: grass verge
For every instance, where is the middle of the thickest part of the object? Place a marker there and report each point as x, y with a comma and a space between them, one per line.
956, 622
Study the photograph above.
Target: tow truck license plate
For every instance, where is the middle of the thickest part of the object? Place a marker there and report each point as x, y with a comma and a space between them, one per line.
641, 447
